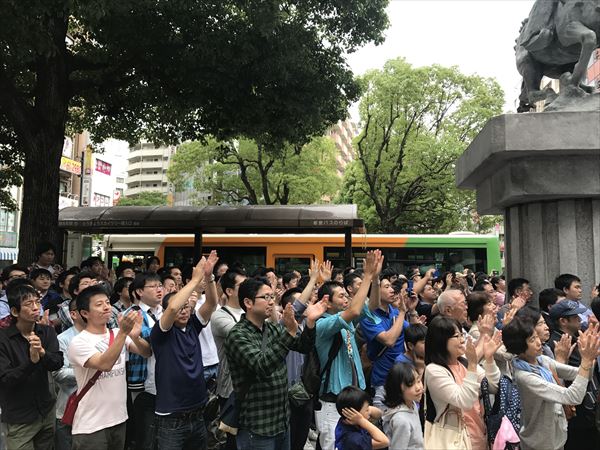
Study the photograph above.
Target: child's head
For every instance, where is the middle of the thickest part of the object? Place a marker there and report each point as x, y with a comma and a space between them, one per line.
353, 397
414, 339
403, 385
42, 279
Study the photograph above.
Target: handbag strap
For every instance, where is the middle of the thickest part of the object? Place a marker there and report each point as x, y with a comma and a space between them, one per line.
95, 377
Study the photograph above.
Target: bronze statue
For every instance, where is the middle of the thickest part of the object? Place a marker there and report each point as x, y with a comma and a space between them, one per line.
557, 41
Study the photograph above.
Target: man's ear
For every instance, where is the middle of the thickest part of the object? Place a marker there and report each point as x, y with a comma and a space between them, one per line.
248, 303
14, 312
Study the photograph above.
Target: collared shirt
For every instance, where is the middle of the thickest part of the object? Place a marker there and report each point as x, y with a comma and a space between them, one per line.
383, 357
341, 370
260, 377
65, 376
64, 314
117, 308
584, 316
151, 317
24, 390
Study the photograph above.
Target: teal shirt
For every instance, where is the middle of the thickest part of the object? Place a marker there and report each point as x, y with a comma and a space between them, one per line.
341, 371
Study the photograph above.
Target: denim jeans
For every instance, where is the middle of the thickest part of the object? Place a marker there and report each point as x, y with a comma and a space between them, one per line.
246, 440
181, 431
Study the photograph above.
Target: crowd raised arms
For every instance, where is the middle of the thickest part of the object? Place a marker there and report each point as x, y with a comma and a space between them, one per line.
213, 357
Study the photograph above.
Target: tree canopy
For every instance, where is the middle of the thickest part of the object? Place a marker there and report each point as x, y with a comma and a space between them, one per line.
167, 71
247, 172
415, 124
148, 198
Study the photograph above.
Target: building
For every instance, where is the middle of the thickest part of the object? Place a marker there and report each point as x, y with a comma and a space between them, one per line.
342, 134
147, 169
593, 73
9, 230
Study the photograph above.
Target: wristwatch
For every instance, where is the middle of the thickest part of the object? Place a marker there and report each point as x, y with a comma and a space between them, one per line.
212, 278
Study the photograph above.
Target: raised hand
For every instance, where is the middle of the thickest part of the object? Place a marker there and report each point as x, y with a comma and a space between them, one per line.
518, 303
313, 271
198, 271
411, 302
471, 355
352, 416
510, 315
36, 351
563, 349
487, 324
315, 310
210, 263
589, 344
379, 258
326, 270
127, 321
491, 345
136, 331
45, 318
370, 264
289, 321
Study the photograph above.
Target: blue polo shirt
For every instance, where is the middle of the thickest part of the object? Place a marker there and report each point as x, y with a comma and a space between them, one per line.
180, 385
383, 359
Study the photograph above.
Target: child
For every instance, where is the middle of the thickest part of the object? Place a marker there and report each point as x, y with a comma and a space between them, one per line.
354, 431
401, 423
414, 343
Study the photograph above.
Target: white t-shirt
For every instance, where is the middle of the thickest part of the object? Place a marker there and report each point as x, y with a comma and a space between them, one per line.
105, 404
210, 356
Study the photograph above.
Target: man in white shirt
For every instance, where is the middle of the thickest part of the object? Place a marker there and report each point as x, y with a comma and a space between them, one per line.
99, 421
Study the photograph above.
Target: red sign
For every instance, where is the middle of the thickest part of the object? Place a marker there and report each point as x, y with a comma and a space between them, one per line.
103, 167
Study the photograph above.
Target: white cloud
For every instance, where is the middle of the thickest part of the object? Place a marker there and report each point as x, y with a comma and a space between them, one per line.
478, 36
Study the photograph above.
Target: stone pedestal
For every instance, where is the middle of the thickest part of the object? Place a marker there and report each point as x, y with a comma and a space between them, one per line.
542, 171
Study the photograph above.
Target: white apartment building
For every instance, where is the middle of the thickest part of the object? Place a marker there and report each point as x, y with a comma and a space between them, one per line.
147, 169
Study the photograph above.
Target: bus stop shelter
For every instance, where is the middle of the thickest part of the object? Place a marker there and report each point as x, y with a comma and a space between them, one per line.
255, 219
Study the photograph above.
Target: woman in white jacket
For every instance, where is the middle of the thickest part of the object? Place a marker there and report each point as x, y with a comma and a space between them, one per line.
452, 381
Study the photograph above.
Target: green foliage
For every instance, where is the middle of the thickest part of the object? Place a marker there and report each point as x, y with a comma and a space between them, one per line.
416, 123
246, 172
149, 198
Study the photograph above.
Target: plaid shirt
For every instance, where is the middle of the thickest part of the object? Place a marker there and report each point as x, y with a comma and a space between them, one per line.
262, 375
137, 366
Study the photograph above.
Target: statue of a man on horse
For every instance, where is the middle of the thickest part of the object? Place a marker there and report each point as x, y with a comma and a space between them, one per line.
557, 41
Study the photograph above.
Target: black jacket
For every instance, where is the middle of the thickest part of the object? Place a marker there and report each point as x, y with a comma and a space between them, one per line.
24, 389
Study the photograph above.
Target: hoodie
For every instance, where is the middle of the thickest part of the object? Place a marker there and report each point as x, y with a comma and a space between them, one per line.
403, 427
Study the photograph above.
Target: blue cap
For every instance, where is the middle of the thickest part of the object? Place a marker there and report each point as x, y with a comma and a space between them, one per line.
566, 308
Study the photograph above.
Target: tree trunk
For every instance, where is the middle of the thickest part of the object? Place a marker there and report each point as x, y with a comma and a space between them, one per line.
39, 216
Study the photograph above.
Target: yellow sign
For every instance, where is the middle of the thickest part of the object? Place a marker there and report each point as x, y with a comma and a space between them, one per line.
70, 165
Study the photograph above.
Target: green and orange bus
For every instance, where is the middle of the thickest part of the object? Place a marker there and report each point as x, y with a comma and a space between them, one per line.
480, 253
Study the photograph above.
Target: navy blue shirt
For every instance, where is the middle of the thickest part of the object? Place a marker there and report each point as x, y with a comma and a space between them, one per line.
383, 357
179, 372
351, 437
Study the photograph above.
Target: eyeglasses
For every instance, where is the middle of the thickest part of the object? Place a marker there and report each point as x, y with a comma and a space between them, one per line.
154, 286
31, 303
459, 336
267, 297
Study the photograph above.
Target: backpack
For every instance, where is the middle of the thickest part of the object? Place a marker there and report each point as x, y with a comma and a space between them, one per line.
507, 402
312, 373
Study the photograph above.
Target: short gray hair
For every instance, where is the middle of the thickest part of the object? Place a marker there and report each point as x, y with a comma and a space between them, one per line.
447, 299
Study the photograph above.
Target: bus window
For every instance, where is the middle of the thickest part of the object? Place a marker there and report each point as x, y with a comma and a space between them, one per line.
404, 258
114, 259
285, 264
249, 257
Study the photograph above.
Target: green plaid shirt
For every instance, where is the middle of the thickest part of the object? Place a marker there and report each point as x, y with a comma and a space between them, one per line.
263, 375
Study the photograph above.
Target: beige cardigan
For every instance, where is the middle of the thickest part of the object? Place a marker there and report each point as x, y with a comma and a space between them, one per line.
443, 390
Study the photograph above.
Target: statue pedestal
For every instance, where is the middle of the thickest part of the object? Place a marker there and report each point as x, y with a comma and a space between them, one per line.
542, 171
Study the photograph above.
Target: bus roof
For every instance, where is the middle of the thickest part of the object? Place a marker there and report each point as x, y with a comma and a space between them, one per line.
212, 219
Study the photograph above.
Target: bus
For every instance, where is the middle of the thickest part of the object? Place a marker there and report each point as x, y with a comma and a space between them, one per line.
284, 252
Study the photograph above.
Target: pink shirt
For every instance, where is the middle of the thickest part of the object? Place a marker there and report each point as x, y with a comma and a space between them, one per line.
474, 416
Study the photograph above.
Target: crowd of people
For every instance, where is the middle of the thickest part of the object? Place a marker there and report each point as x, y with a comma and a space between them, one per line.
212, 356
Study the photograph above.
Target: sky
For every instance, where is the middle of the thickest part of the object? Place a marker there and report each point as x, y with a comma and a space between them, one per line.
478, 36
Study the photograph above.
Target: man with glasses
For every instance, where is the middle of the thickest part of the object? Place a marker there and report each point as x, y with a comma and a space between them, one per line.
256, 352
28, 351
65, 378
147, 290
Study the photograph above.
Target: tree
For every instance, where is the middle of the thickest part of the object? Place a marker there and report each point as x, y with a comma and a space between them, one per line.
246, 172
149, 198
415, 124
168, 71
